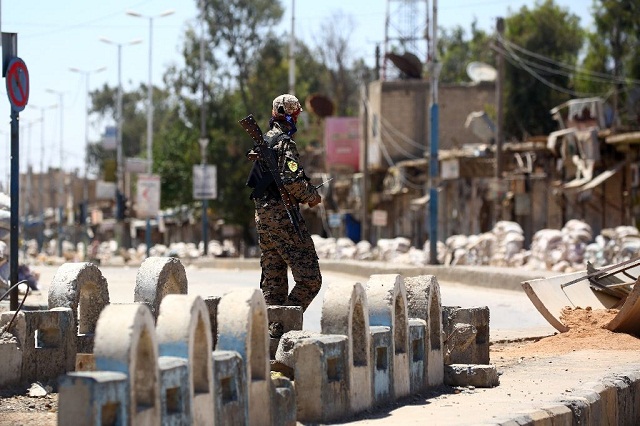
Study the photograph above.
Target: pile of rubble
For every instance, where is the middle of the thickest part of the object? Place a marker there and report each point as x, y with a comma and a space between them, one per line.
559, 250
564, 250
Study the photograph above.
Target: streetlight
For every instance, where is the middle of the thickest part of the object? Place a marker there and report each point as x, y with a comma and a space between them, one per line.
85, 186
119, 178
150, 105
41, 177
61, 188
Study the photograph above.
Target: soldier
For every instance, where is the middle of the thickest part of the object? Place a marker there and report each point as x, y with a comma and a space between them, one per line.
280, 244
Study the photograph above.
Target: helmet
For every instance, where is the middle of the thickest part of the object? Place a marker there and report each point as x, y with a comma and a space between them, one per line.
286, 105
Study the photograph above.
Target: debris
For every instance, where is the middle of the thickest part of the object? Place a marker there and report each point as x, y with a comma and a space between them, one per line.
37, 391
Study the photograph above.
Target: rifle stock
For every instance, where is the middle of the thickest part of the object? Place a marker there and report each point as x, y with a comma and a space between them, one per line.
250, 125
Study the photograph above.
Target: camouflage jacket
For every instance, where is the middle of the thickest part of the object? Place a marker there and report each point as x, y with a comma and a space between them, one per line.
292, 173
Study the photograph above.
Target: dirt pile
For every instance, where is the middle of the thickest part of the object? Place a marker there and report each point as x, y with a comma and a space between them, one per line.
586, 331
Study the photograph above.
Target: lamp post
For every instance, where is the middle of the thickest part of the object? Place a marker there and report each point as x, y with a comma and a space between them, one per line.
85, 185
41, 176
61, 187
150, 105
119, 177
204, 141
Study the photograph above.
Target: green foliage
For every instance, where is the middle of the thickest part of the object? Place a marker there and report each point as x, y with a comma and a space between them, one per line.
611, 62
456, 52
549, 31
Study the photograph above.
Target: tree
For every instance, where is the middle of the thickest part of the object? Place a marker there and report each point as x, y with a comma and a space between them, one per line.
240, 28
533, 88
456, 52
612, 51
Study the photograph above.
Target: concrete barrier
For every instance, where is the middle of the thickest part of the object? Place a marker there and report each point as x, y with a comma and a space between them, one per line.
387, 298
11, 348
284, 401
126, 343
175, 398
82, 288
424, 300
382, 364
183, 330
345, 311
93, 398
212, 308
230, 402
290, 317
242, 327
394, 326
48, 344
477, 352
322, 378
417, 360
157, 277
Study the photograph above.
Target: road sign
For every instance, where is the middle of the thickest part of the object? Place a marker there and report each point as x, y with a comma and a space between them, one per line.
17, 81
379, 218
148, 199
205, 185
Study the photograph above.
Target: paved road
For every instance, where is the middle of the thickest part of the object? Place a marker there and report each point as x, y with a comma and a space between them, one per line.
511, 312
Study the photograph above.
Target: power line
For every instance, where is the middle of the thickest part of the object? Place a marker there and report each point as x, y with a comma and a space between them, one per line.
594, 74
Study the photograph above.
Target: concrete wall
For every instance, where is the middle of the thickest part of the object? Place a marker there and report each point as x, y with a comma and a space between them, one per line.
399, 117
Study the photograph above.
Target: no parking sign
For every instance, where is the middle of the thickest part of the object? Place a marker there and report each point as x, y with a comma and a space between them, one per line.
17, 81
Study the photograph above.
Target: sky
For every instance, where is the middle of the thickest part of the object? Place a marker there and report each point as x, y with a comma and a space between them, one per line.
56, 36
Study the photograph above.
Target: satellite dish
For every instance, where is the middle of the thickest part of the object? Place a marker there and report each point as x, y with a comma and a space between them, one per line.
408, 63
320, 105
479, 71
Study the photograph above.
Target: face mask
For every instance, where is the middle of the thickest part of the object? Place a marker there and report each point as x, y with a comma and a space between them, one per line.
292, 125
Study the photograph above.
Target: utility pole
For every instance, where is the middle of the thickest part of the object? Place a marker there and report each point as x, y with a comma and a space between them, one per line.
120, 207
85, 186
292, 46
204, 141
499, 118
433, 154
61, 191
150, 106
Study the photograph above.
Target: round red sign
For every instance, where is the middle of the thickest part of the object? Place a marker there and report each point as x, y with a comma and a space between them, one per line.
17, 80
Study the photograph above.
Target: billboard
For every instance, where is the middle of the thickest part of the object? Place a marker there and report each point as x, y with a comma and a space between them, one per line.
110, 138
148, 196
342, 141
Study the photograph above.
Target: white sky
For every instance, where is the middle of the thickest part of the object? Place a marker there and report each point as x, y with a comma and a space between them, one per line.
55, 36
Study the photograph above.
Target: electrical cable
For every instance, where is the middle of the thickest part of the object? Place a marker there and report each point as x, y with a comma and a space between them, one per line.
19, 306
605, 76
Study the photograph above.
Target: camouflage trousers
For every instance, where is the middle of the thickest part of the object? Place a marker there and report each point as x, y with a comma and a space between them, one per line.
281, 247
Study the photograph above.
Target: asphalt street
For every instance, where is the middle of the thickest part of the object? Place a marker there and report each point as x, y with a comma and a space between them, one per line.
512, 315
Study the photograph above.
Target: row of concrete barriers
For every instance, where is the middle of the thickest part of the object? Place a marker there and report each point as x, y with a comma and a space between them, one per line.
152, 362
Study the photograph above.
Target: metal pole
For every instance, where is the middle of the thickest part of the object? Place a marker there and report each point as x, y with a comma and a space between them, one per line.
499, 118
41, 182
85, 187
433, 155
85, 184
203, 136
292, 45
119, 182
15, 210
61, 183
150, 129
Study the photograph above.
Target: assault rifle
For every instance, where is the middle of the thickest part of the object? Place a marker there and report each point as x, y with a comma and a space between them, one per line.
253, 129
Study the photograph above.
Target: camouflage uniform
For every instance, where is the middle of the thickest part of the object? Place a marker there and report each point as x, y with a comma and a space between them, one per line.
280, 244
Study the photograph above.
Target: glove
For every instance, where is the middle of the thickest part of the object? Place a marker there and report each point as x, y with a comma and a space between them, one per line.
315, 201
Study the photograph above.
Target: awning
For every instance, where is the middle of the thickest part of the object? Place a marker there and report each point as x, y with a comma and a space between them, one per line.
602, 177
